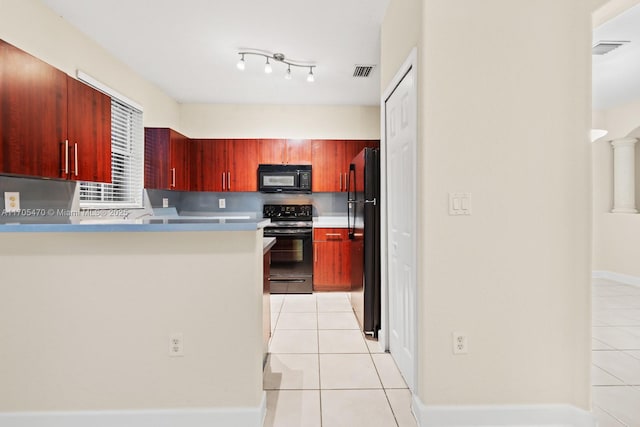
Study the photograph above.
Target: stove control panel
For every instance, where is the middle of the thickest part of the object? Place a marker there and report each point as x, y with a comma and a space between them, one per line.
296, 212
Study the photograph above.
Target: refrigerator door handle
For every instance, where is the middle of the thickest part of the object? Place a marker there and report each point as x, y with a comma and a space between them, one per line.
351, 199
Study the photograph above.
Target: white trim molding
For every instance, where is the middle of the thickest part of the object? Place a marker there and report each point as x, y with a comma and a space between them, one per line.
191, 417
86, 78
501, 415
616, 277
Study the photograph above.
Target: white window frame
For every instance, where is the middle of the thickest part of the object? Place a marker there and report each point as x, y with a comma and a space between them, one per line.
127, 155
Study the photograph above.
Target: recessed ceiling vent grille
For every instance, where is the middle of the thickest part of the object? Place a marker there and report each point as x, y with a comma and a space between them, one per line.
363, 70
605, 46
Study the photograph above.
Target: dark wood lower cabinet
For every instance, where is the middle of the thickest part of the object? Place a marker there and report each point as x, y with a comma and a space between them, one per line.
331, 259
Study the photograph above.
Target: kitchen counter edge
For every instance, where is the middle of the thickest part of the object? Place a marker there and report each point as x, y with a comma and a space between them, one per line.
236, 225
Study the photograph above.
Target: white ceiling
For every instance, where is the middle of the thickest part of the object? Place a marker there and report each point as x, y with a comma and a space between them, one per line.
189, 48
616, 75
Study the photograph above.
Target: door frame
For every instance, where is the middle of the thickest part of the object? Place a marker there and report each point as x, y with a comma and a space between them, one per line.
410, 63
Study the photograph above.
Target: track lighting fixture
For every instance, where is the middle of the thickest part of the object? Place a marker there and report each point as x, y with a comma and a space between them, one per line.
277, 57
240, 63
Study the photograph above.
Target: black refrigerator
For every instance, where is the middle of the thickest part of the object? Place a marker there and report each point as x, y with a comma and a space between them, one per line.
363, 206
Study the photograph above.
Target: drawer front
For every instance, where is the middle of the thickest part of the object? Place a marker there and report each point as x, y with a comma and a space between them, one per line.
326, 234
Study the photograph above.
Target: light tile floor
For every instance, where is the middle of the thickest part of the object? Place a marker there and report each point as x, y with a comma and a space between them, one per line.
323, 372
616, 354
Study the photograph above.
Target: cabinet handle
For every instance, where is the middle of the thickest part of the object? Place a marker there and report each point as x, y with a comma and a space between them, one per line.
75, 157
66, 156
340, 181
224, 182
345, 181
173, 177
229, 181
332, 234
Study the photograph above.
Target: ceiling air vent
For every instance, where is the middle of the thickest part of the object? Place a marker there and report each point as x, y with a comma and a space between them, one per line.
363, 70
605, 46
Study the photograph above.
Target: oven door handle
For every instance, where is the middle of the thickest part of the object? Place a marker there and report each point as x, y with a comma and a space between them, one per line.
297, 232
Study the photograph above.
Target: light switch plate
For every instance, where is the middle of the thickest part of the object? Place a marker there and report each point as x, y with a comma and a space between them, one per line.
11, 201
165, 202
222, 203
459, 203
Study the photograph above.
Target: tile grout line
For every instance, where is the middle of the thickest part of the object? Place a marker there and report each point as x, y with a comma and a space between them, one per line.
613, 416
319, 376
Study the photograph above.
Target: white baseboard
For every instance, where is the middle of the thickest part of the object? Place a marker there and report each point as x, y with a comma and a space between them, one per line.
616, 277
196, 417
501, 415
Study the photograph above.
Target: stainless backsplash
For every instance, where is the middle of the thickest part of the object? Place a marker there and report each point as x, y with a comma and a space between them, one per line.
50, 200
324, 204
41, 200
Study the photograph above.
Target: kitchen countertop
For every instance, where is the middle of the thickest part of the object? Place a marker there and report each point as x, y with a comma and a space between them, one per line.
330, 222
141, 225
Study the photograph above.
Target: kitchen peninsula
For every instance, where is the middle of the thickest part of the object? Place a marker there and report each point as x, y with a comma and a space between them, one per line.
89, 312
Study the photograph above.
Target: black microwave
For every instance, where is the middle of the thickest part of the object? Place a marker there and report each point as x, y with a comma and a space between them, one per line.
284, 178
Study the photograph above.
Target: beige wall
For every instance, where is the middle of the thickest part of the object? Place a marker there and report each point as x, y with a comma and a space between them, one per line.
500, 121
400, 33
280, 121
616, 236
32, 27
74, 338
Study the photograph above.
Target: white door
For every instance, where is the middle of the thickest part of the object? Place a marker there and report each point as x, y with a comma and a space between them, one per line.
401, 136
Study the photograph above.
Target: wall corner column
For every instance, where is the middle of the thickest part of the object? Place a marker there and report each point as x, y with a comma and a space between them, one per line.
624, 193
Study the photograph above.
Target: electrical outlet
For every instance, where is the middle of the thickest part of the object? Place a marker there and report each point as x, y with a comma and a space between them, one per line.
165, 202
11, 201
176, 345
222, 203
460, 344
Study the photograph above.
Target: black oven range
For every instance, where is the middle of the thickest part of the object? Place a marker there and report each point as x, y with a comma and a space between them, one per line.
292, 254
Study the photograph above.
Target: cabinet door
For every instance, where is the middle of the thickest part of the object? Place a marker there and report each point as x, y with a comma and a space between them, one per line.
298, 152
328, 165
157, 173
179, 171
272, 151
208, 165
243, 156
332, 260
89, 132
33, 115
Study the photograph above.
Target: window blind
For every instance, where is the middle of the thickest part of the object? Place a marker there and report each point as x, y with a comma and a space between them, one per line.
127, 163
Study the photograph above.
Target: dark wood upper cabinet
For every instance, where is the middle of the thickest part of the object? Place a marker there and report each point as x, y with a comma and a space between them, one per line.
88, 132
224, 164
331, 158
298, 152
33, 115
328, 165
272, 151
51, 125
243, 157
179, 162
285, 151
208, 164
156, 158
166, 160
